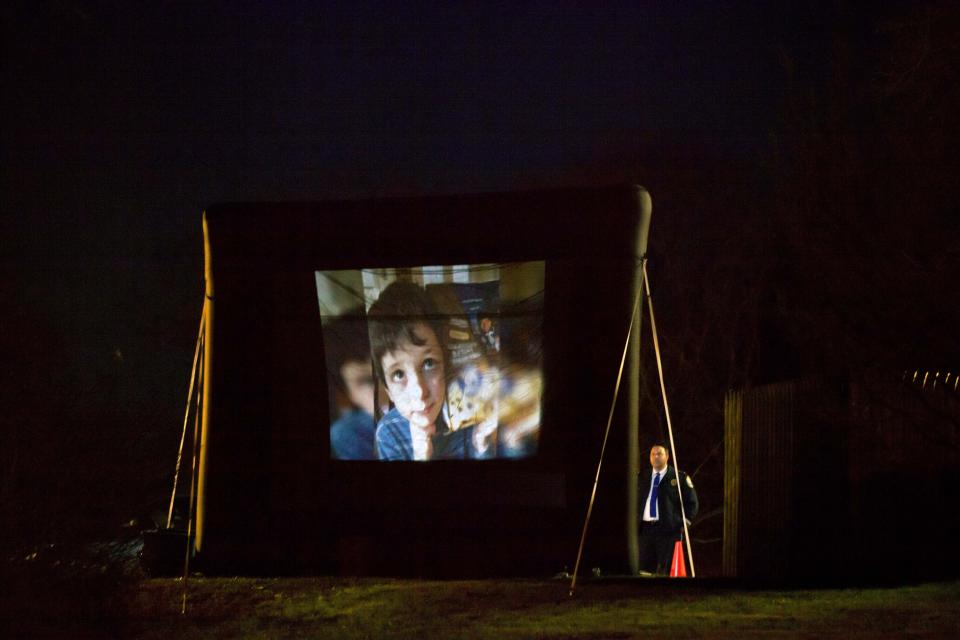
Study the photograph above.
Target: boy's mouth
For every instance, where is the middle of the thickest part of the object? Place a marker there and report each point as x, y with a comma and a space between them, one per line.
420, 420
422, 413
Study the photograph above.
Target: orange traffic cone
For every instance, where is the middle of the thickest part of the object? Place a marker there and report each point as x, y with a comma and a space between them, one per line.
678, 568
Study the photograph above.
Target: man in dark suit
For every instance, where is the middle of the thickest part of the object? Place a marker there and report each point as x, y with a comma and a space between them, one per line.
661, 522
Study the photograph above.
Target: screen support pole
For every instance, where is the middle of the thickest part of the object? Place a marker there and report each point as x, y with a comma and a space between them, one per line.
633, 430
606, 435
631, 526
206, 387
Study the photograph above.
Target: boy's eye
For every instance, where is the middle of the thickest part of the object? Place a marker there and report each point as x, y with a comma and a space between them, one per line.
429, 363
396, 376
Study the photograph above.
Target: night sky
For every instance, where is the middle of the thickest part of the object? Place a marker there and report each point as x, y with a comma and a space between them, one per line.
123, 122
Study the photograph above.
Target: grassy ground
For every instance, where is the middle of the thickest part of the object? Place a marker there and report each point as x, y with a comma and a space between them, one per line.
381, 608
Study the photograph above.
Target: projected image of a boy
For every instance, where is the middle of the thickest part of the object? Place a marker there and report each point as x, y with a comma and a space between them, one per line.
410, 361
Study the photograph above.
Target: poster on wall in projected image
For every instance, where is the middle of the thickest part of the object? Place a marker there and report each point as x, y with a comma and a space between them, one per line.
433, 362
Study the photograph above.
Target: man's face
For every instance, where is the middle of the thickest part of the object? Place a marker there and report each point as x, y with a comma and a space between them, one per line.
415, 378
658, 458
357, 377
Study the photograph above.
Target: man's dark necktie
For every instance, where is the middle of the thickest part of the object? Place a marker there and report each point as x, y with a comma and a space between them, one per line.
653, 496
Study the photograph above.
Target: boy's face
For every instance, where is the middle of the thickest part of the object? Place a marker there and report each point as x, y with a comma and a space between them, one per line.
357, 377
415, 378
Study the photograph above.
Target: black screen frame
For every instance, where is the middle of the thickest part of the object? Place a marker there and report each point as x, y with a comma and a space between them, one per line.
266, 419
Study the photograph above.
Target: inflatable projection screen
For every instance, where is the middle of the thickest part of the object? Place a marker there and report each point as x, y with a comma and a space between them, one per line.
416, 386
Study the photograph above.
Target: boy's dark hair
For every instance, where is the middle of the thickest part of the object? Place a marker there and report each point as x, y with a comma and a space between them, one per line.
345, 339
392, 318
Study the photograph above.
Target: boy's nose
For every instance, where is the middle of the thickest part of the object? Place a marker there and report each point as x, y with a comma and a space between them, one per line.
418, 388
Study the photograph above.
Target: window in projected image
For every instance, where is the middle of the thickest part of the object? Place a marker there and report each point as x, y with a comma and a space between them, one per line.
434, 363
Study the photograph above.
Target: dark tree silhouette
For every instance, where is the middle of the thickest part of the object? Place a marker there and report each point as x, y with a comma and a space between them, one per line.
868, 194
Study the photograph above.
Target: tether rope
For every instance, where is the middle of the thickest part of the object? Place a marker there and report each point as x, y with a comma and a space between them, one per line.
606, 435
193, 483
186, 416
666, 409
